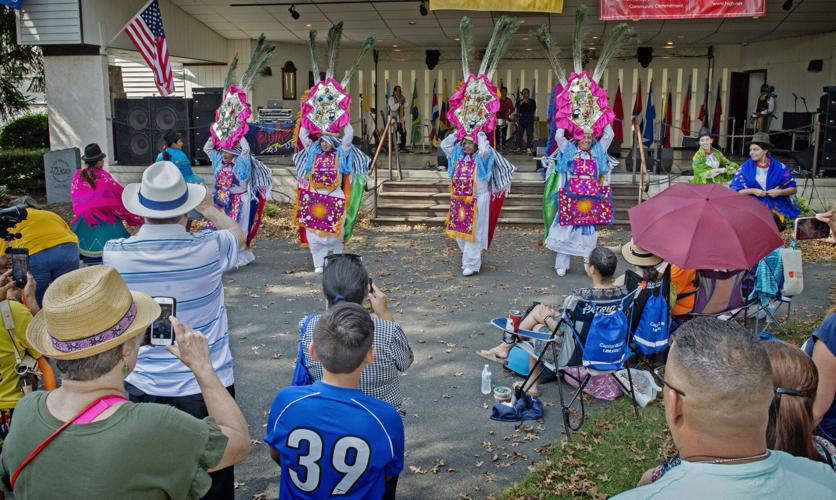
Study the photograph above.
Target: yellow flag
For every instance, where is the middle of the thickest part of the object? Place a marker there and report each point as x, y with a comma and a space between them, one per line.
555, 6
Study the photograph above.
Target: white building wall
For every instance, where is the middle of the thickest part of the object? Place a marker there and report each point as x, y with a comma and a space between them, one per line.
138, 79
79, 105
46, 22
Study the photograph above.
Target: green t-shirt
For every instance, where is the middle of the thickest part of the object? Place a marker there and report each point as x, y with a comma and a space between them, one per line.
779, 476
143, 451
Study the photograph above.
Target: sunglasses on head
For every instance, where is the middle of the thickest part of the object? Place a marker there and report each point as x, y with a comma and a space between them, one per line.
334, 256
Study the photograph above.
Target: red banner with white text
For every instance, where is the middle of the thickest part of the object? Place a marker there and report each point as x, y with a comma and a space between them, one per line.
614, 10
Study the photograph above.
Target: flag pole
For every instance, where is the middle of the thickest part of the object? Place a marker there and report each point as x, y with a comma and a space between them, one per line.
129, 22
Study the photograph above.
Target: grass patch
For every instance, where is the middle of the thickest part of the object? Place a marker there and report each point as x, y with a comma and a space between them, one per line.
606, 457
613, 449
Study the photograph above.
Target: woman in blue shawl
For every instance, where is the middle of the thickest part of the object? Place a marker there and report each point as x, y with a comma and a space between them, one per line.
767, 179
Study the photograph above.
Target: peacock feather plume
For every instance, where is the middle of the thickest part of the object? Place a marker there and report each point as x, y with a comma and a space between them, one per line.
577, 38
503, 32
335, 34
552, 52
465, 26
258, 60
365, 48
314, 57
619, 36
230, 71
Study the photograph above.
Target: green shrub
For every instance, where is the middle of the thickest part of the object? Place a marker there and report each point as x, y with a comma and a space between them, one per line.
23, 169
803, 207
26, 132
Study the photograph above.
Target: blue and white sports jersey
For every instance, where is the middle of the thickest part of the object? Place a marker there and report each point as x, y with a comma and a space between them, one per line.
334, 442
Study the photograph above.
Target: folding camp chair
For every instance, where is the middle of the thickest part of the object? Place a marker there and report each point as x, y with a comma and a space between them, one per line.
563, 348
779, 277
721, 294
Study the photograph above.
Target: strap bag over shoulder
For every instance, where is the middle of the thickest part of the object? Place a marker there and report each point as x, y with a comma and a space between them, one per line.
301, 375
26, 366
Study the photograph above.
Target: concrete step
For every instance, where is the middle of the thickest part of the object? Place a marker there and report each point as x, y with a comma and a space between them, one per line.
536, 221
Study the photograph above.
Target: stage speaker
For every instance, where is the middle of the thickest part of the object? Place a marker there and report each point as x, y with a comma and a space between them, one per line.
827, 117
815, 65
171, 113
131, 135
615, 149
690, 143
205, 102
644, 56
663, 160
432, 58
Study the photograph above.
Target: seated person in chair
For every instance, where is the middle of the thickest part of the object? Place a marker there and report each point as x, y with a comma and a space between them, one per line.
600, 266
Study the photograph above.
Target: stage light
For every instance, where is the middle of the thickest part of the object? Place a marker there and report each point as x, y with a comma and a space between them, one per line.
423, 8
293, 12
787, 5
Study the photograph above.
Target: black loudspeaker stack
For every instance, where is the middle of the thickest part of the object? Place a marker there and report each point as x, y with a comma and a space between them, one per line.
131, 134
170, 113
205, 102
827, 118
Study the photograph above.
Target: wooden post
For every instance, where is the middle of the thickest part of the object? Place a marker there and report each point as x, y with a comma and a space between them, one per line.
643, 165
634, 128
816, 131
389, 145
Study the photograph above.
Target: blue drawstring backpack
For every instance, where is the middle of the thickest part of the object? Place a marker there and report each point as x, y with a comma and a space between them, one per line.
606, 342
301, 376
652, 332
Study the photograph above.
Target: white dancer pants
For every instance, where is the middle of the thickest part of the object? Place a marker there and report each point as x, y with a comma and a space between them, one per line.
562, 261
321, 245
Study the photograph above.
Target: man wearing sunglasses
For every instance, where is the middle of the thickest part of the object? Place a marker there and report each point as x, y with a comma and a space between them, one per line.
717, 388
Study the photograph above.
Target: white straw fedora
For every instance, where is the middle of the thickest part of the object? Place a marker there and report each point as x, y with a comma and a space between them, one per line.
638, 256
163, 193
87, 312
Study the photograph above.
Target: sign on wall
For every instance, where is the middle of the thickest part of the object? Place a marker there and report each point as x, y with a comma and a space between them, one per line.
613, 10
59, 167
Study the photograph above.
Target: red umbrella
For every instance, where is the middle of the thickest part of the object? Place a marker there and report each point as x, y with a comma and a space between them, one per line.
705, 226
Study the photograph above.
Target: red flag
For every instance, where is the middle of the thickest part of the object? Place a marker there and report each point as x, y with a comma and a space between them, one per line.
668, 121
618, 109
718, 110
637, 105
685, 124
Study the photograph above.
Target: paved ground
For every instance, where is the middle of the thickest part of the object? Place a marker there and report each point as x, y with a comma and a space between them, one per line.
453, 448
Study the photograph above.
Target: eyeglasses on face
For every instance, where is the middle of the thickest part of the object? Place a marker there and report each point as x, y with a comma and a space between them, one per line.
659, 373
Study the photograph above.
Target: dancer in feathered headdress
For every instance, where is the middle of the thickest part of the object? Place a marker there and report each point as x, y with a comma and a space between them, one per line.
577, 175
479, 176
242, 183
331, 172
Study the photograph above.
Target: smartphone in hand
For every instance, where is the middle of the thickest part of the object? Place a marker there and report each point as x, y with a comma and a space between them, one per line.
161, 331
20, 265
810, 228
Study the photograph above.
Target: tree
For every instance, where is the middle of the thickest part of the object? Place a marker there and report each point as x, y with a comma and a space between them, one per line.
19, 64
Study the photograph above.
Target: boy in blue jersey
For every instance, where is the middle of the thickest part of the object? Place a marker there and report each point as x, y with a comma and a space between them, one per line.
329, 438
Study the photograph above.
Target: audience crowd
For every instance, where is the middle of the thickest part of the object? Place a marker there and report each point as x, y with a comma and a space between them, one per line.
747, 416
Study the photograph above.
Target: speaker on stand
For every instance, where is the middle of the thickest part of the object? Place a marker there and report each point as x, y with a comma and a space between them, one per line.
130, 131
827, 137
205, 102
170, 113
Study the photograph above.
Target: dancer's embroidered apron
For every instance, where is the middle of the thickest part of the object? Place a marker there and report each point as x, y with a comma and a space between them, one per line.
461, 219
584, 201
225, 196
318, 211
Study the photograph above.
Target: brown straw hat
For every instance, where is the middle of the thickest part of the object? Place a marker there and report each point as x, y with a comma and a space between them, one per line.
87, 312
638, 256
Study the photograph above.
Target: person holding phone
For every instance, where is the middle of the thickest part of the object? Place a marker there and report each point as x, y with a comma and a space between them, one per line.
164, 260
768, 180
345, 279
829, 218
17, 305
92, 325
51, 244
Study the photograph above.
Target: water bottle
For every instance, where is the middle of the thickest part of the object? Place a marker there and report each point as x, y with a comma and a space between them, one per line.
486, 380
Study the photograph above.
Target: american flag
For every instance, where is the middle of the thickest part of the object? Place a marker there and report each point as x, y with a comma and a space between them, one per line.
146, 32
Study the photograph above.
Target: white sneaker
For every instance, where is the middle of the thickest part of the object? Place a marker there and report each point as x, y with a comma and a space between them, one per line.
560, 272
468, 272
318, 270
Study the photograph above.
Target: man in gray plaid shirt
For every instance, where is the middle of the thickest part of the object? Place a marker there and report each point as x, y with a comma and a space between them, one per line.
345, 279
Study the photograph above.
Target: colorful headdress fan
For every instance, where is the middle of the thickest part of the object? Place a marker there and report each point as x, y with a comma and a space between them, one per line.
325, 107
230, 123
474, 105
581, 104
